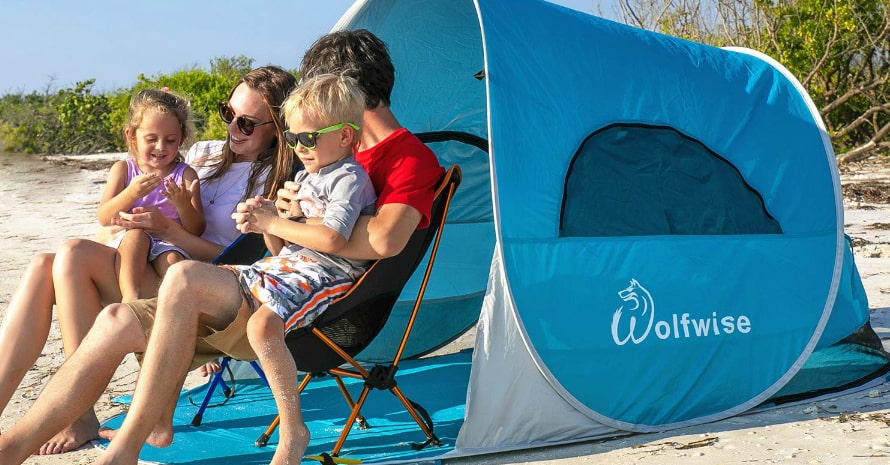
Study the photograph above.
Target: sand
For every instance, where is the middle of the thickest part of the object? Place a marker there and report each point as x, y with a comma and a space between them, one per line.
47, 202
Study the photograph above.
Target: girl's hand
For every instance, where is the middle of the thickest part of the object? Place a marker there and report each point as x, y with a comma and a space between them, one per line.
254, 215
286, 203
179, 195
142, 184
148, 219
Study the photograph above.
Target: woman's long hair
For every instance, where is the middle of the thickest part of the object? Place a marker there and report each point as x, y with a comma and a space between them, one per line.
274, 84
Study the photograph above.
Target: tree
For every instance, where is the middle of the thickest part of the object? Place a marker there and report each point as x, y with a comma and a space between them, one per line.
83, 124
70, 120
233, 67
24, 120
837, 49
76, 120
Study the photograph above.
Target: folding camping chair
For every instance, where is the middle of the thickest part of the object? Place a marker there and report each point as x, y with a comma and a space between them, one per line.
244, 250
353, 321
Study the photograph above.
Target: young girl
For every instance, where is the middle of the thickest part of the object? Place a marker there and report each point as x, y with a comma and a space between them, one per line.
153, 176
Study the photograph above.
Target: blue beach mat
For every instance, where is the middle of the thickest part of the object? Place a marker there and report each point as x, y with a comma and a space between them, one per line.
228, 432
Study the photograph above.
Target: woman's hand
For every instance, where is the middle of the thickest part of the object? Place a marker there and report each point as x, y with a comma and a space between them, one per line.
148, 219
254, 215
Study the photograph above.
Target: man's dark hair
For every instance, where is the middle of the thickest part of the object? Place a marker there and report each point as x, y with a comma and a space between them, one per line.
358, 54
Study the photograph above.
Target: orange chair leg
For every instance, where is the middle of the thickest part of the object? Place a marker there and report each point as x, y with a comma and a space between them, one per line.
362, 423
350, 421
410, 408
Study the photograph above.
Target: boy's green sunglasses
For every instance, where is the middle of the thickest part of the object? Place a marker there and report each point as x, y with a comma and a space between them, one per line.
308, 139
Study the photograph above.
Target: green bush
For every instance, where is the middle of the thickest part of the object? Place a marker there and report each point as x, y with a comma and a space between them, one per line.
83, 124
76, 120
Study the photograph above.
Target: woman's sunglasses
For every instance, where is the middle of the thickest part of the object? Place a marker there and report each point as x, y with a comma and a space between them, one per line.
308, 139
245, 125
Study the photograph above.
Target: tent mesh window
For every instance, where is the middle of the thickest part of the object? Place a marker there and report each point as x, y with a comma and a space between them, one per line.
637, 180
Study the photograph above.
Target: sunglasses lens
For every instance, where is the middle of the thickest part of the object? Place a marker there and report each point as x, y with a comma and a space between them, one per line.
245, 126
225, 113
290, 139
306, 139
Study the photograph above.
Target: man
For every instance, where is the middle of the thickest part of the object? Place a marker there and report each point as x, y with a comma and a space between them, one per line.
200, 311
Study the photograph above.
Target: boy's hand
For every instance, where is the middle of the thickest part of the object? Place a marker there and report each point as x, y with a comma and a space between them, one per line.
286, 203
179, 195
254, 215
142, 184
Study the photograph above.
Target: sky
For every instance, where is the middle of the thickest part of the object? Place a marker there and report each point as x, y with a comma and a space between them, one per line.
53, 45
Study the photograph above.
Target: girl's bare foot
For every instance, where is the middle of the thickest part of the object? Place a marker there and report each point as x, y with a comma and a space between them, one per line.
209, 368
77, 434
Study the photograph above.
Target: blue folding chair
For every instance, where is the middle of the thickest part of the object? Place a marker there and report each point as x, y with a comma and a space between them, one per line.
244, 250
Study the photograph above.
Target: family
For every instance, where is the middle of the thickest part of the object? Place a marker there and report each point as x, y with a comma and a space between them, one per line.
322, 168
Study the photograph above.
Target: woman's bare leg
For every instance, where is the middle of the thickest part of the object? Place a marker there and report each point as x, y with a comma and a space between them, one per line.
86, 277
26, 325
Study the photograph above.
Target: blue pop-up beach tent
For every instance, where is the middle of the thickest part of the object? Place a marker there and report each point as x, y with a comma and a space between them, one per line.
648, 235
654, 238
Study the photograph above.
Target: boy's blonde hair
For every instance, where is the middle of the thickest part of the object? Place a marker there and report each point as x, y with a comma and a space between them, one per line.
164, 102
327, 99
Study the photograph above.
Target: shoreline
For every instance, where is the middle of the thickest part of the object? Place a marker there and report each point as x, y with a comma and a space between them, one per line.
55, 199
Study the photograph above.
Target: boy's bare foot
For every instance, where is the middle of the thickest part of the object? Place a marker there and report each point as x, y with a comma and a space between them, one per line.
209, 368
291, 448
159, 437
77, 434
109, 458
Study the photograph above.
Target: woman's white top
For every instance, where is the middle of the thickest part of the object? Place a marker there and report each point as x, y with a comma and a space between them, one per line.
220, 196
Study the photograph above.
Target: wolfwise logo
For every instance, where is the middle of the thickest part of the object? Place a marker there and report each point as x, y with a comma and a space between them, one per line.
635, 319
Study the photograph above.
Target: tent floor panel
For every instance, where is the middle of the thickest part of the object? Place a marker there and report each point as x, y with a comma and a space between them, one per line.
228, 432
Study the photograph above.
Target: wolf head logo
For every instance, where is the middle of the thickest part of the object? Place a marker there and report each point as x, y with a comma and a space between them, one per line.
638, 308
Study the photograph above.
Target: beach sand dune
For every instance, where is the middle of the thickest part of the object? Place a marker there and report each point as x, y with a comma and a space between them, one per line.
47, 202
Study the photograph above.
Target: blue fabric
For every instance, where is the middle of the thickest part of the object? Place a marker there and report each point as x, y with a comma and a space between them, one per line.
585, 332
850, 310
588, 74
437, 51
537, 90
227, 433
830, 368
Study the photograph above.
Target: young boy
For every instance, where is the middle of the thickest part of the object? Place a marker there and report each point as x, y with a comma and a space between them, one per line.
292, 288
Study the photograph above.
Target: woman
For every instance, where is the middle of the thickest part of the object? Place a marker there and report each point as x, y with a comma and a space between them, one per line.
82, 277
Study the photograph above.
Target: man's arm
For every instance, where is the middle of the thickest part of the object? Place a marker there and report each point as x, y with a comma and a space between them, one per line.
382, 235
